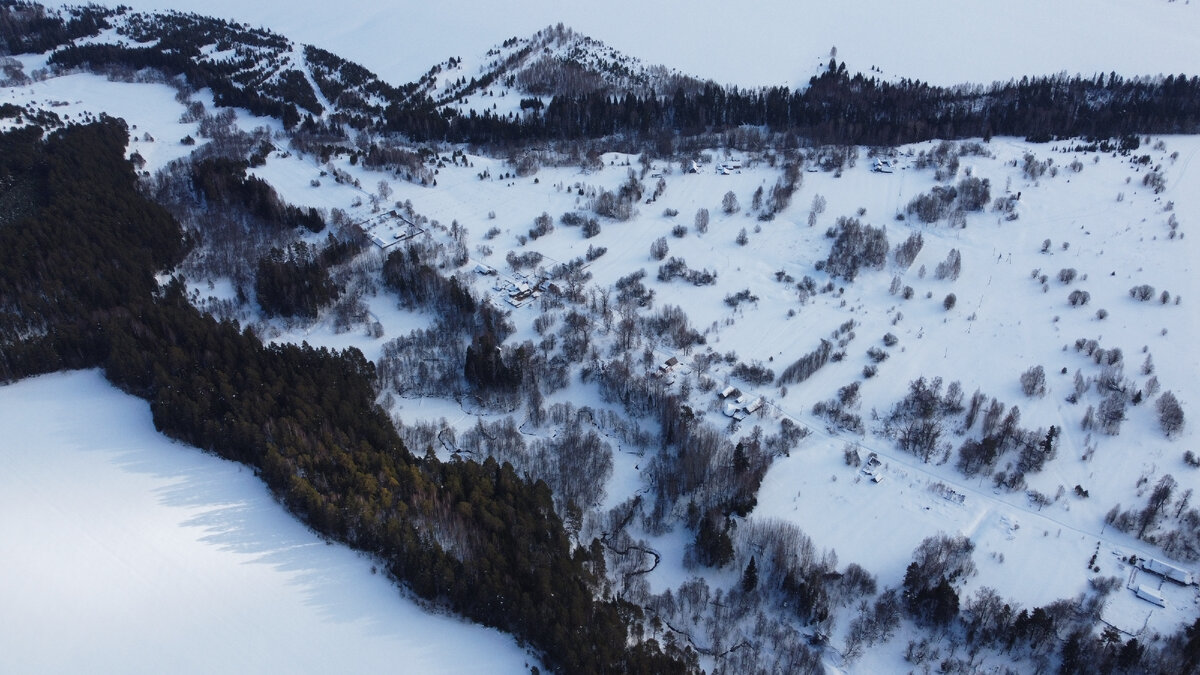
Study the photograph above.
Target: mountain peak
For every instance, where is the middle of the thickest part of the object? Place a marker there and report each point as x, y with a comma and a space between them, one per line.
556, 60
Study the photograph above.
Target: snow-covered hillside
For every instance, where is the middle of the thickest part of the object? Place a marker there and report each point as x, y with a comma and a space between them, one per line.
128, 553
998, 327
1102, 221
1113, 233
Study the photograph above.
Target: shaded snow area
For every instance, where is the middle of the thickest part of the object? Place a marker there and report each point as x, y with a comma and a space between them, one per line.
125, 552
768, 43
149, 109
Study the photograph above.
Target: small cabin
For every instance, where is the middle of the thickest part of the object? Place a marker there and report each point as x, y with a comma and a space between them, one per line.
520, 292
668, 366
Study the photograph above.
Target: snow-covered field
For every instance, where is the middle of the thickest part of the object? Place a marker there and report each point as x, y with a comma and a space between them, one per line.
776, 42
1004, 323
125, 552
150, 110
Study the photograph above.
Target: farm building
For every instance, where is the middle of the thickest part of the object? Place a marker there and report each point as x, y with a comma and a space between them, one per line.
739, 409
389, 228
1169, 572
1150, 595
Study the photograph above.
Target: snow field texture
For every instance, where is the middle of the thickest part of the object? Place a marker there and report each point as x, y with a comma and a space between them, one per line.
126, 552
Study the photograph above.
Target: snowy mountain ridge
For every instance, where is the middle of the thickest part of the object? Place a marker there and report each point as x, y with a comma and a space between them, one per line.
258, 65
555, 60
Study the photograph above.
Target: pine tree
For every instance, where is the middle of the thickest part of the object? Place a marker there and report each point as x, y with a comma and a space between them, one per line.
713, 544
750, 576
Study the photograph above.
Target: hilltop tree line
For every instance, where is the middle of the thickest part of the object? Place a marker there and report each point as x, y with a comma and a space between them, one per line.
835, 107
844, 109
27, 27
172, 43
78, 290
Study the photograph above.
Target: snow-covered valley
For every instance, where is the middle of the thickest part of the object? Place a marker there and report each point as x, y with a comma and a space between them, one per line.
1052, 279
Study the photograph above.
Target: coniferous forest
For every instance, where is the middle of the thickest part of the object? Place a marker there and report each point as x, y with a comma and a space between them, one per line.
77, 279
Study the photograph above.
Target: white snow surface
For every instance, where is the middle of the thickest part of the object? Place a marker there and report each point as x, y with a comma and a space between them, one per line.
149, 109
1004, 323
125, 552
777, 42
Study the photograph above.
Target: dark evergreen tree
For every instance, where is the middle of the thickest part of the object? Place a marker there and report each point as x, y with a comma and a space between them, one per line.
714, 547
750, 576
